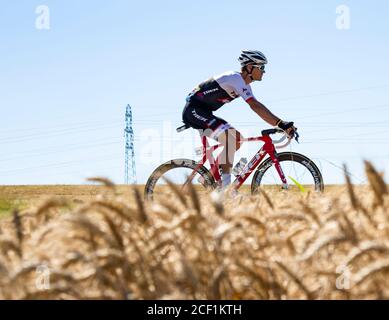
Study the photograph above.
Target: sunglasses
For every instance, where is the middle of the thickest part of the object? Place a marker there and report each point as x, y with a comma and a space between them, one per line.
260, 67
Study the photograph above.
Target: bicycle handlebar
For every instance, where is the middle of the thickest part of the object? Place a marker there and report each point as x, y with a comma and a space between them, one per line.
271, 131
286, 136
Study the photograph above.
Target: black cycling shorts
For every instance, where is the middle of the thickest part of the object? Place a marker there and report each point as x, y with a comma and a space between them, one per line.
204, 120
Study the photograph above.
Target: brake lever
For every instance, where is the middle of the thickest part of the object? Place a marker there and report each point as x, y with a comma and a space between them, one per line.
296, 136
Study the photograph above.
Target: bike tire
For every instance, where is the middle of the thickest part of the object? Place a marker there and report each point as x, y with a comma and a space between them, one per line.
209, 180
288, 156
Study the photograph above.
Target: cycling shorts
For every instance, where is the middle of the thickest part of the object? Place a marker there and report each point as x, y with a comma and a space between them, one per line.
204, 120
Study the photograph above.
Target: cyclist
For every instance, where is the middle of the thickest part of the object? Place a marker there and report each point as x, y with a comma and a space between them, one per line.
213, 93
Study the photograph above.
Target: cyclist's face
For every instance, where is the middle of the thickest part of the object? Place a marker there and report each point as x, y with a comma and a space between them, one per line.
257, 73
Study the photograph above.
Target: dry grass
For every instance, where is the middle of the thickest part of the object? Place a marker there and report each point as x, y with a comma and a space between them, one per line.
108, 244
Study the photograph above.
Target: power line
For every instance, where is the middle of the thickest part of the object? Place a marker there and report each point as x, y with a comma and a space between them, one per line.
83, 147
346, 111
83, 124
59, 126
59, 164
329, 93
89, 127
74, 172
53, 134
341, 168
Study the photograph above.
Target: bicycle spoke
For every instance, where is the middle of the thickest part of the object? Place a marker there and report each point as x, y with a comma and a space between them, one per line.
298, 176
179, 179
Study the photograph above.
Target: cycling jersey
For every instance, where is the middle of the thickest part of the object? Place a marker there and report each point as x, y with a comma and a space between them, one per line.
216, 91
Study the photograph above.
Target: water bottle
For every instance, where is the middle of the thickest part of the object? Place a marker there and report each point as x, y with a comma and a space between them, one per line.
239, 167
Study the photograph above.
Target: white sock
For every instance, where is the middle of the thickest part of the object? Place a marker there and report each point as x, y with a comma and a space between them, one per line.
226, 179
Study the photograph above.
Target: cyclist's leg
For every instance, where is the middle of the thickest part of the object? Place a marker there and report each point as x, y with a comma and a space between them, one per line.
217, 129
230, 138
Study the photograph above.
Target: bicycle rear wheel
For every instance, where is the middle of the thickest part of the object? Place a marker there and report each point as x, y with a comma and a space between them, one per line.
177, 172
300, 172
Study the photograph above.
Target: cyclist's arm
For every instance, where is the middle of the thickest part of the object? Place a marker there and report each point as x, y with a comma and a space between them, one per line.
262, 111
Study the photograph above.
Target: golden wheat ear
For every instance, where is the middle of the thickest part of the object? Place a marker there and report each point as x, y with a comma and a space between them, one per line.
110, 185
104, 181
176, 190
194, 198
140, 205
376, 182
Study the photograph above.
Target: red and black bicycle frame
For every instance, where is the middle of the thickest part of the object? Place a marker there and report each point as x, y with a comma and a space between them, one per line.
267, 148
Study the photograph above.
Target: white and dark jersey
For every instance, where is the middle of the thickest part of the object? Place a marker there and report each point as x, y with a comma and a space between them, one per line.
221, 89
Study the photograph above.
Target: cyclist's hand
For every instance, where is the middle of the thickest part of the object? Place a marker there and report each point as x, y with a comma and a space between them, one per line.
288, 127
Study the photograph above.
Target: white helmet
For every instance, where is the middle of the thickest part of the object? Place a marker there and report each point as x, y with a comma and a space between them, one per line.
252, 57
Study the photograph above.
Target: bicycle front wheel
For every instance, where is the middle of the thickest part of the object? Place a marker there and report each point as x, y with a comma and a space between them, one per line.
300, 172
177, 173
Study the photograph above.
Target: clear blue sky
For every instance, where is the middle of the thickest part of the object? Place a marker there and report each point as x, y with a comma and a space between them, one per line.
63, 91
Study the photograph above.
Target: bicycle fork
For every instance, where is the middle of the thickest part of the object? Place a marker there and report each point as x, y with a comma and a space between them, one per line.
277, 165
255, 161
271, 150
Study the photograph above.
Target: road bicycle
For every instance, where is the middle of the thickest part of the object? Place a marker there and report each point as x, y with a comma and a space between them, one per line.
286, 171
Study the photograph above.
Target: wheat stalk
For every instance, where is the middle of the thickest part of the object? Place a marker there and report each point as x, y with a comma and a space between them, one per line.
311, 213
370, 270
264, 194
350, 189
322, 242
180, 195
310, 295
263, 283
17, 222
377, 183
141, 209
105, 181
201, 246
365, 248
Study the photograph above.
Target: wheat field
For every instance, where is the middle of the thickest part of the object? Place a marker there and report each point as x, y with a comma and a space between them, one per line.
105, 242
